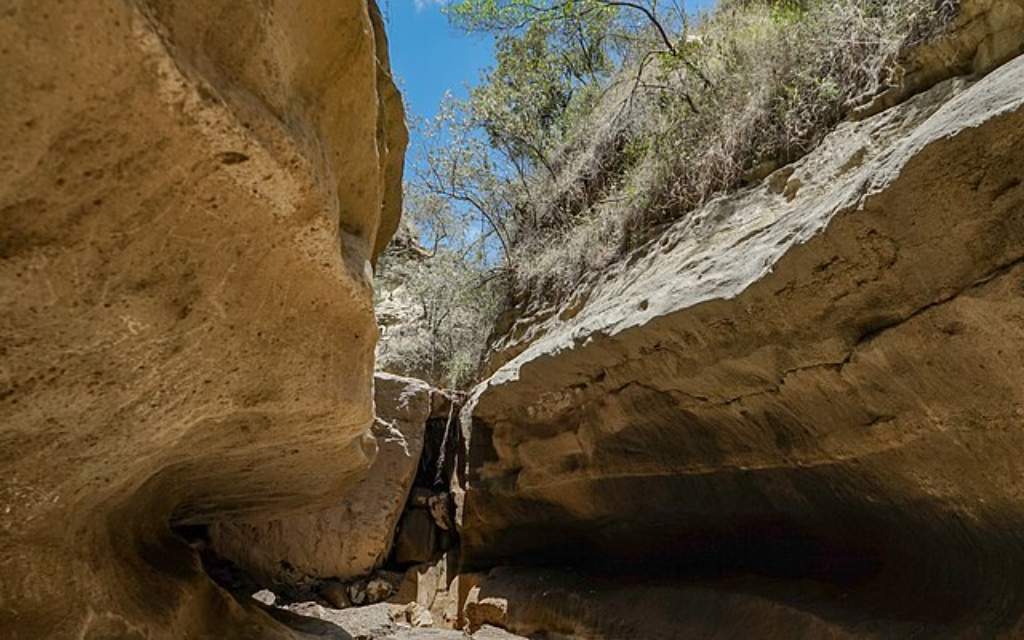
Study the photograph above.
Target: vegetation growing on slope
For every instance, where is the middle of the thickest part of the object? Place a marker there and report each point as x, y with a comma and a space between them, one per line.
602, 120
442, 293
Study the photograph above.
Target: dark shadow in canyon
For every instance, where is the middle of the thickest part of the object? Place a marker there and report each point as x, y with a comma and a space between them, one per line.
835, 550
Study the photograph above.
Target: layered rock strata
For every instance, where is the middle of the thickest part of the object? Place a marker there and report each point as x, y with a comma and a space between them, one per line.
192, 197
983, 34
818, 379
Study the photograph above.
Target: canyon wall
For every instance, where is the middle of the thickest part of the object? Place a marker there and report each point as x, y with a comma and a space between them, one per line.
809, 393
354, 536
192, 197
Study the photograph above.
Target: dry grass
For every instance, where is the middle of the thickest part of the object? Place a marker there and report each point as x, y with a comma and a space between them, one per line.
777, 76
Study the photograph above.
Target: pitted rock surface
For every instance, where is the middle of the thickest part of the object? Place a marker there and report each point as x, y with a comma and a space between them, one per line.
819, 378
192, 197
352, 537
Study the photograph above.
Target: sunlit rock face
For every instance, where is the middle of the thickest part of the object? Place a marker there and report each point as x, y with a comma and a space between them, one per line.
192, 196
819, 379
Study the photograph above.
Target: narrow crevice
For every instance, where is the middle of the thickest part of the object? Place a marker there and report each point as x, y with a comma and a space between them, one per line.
424, 536
427, 529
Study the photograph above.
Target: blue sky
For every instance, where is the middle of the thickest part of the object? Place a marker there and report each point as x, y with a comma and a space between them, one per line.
429, 57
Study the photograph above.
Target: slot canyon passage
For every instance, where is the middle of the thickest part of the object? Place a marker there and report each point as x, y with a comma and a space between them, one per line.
796, 411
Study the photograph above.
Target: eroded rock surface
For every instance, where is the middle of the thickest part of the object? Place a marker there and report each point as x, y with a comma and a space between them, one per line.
820, 379
982, 35
573, 604
192, 196
353, 537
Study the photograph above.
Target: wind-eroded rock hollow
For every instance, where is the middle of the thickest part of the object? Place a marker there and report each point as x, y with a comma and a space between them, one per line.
192, 196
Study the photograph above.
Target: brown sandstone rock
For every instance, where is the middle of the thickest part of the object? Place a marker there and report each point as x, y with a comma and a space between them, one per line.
415, 615
433, 587
416, 538
480, 610
822, 383
352, 537
984, 34
191, 197
421, 583
561, 604
378, 590
335, 593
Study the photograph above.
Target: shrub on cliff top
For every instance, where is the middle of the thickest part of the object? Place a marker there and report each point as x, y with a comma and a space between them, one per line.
754, 85
603, 120
436, 303
606, 118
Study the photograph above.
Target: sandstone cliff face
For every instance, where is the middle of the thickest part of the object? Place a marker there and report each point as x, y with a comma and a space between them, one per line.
353, 537
983, 35
820, 378
192, 196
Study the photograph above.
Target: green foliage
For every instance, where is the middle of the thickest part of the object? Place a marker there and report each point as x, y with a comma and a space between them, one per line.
436, 302
601, 121
451, 306
512, 15
549, 58
787, 12
755, 83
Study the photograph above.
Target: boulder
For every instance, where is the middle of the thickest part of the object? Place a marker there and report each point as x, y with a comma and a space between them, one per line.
335, 593
352, 537
415, 615
265, 596
378, 590
417, 537
192, 198
421, 583
480, 610
432, 586
820, 378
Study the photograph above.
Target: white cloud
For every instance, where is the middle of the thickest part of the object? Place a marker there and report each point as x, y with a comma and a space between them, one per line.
423, 4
